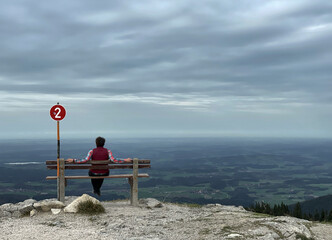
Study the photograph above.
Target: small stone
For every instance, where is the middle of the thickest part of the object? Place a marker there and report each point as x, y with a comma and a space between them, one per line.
234, 235
242, 208
55, 211
211, 205
151, 203
33, 212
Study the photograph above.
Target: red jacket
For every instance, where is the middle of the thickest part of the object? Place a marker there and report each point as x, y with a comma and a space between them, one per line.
100, 154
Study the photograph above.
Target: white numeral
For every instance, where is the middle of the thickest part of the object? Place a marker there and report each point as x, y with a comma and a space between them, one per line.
59, 110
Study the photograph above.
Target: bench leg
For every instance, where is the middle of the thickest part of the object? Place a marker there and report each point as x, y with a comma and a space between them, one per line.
130, 181
133, 192
135, 183
61, 181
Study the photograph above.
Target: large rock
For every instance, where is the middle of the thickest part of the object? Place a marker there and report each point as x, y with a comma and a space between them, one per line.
25, 207
6, 210
47, 205
73, 207
289, 226
17, 210
150, 203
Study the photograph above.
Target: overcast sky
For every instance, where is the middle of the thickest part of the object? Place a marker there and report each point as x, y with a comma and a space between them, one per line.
166, 68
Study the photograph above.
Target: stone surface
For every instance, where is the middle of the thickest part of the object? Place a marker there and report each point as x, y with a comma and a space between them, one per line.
150, 203
26, 206
47, 205
4, 213
18, 209
9, 207
172, 221
72, 207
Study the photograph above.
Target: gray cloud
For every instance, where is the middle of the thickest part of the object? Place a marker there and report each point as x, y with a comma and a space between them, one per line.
249, 57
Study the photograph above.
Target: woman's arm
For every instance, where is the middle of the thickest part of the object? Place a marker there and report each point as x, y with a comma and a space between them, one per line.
84, 160
114, 160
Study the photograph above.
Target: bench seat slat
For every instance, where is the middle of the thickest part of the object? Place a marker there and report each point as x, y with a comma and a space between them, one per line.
140, 161
96, 177
81, 166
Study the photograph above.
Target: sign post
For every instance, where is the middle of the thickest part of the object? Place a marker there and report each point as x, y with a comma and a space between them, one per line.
58, 113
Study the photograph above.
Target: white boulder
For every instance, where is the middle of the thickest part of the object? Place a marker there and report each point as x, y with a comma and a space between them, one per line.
73, 207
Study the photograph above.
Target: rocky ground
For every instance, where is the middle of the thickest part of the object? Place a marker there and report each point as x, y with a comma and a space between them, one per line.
152, 221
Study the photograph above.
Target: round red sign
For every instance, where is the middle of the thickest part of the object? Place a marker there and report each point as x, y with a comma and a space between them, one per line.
58, 112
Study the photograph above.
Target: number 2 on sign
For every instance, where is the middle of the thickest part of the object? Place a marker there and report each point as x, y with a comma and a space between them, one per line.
59, 111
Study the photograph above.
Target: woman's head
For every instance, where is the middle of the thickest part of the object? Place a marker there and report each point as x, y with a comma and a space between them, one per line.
100, 141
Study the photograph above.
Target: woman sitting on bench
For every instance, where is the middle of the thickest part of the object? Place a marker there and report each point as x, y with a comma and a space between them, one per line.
98, 154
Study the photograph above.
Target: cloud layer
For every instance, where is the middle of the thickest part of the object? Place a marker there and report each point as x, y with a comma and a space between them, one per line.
264, 65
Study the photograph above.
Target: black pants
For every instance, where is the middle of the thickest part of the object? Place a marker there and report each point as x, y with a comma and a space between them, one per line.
96, 183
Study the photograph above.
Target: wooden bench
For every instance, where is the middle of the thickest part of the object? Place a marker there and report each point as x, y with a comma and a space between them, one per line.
60, 165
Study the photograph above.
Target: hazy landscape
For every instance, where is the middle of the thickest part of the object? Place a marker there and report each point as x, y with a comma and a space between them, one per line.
196, 170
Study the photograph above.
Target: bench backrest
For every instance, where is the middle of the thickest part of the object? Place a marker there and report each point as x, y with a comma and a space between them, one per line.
142, 163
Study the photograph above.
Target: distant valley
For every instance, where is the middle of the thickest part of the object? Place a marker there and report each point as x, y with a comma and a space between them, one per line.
207, 170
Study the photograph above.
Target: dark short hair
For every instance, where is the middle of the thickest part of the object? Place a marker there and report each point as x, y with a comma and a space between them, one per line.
100, 141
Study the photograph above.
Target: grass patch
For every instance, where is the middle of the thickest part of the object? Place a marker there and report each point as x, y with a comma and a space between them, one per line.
117, 200
302, 237
193, 205
190, 205
90, 208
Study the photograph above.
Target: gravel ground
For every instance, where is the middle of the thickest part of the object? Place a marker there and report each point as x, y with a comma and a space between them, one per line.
172, 221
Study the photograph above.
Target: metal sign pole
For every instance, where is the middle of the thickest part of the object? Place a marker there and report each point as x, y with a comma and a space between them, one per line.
58, 113
58, 160
58, 134
61, 171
